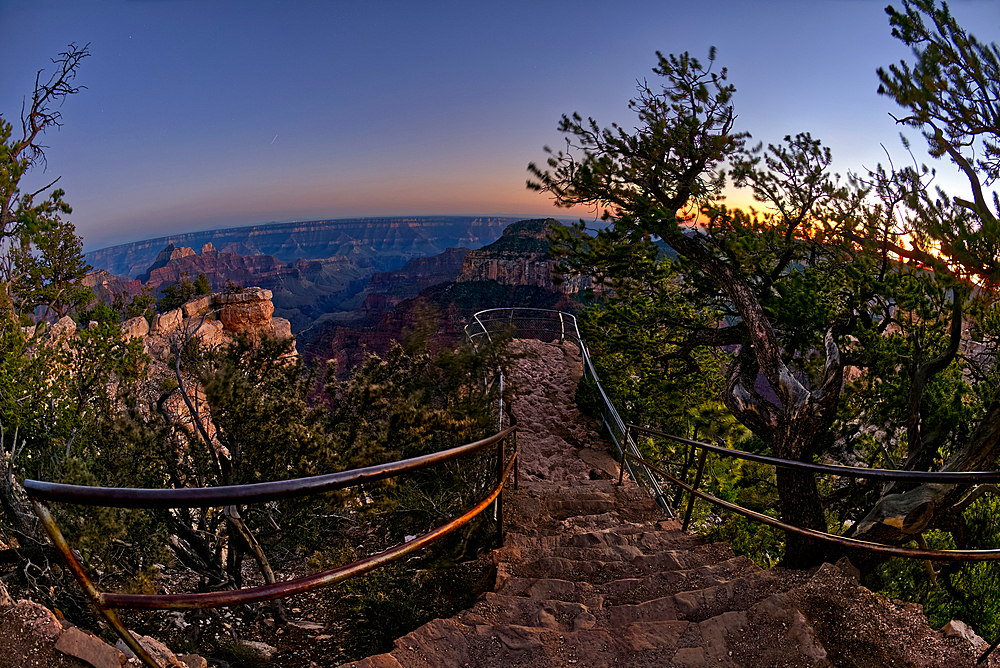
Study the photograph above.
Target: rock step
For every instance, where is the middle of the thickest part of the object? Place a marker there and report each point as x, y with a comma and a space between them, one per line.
666, 583
774, 631
647, 536
599, 572
629, 590
636, 540
448, 643
695, 606
540, 503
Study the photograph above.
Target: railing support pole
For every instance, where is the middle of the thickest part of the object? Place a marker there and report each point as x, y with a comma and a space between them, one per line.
498, 510
697, 484
517, 462
688, 462
621, 469
88, 587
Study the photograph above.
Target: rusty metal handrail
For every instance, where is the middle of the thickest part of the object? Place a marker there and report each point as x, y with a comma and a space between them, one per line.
950, 477
205, 497
107, 602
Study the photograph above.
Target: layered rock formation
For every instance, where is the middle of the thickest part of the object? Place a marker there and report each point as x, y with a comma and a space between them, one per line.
387, 289
386, 242
213, 319
520, 257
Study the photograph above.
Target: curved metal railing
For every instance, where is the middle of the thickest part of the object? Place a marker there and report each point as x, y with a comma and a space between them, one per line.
106, 603
551, 325
946, 477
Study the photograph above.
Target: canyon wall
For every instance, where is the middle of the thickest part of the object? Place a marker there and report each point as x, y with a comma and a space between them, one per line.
386, 242
520, 257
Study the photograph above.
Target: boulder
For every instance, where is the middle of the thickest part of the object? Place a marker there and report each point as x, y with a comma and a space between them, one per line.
156, 650
210, 332
243, 296
39, 619
64, 327
959, 629
248, 310
281, 329
89, 649
167, 322
197, 306
158, 348
5, 600
135, 328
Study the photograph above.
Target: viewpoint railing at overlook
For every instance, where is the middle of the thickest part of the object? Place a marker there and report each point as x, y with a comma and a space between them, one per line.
551, 325
106, 603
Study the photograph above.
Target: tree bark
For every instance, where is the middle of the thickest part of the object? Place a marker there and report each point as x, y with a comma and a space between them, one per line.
800, 505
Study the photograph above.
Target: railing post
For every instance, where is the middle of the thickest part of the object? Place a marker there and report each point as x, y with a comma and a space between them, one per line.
562, 328
688, 461
517, 462
697, 483
621, 469
96, 599
498, 510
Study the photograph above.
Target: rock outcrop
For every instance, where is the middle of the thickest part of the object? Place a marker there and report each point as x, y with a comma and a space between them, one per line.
520, 257
213, 319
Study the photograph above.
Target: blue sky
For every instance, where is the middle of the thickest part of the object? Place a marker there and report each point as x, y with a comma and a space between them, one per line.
202, 114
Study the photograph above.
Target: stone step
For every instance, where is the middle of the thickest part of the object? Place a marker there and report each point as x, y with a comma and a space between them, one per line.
649, 534
446, 644
598, 571
555, 612
657, 535
666, 583
590, 546
630, 590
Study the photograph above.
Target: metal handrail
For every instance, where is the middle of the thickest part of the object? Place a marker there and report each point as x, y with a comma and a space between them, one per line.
896, 475
107, 602
543, 320
843, 541
949, 477
205, 497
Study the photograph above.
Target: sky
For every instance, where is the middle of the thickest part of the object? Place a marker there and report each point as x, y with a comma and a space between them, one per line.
200, 114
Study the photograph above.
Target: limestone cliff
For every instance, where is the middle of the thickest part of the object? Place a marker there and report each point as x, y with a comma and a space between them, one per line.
520, 257
386, 243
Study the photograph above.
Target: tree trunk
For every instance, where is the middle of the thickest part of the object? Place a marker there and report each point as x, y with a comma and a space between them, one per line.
21, 516
799, 504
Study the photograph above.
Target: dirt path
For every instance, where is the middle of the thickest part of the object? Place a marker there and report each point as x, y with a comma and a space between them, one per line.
556, 442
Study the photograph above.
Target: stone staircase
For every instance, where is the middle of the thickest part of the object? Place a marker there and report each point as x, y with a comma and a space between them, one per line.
591, 574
